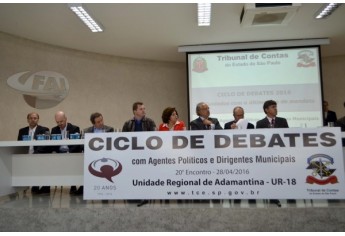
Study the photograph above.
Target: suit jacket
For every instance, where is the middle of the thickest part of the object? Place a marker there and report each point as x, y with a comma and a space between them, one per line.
228, 125
279, 122
107, 129
197, 124
39, 130
331, 117
72, 129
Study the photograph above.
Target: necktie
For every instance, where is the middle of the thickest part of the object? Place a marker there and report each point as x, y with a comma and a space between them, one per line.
272, 123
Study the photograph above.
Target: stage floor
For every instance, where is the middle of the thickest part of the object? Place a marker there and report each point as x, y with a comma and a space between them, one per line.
59, 197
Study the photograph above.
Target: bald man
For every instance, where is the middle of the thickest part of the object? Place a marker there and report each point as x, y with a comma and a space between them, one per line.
238, 114
63, 128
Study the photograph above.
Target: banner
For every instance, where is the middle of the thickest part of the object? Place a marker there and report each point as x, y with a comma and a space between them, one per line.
291, 163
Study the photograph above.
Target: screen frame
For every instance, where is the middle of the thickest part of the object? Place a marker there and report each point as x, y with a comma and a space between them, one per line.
249, 50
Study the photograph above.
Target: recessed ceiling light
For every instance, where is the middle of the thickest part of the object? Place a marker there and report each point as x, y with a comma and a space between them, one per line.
81, 12
327, 10
204, 14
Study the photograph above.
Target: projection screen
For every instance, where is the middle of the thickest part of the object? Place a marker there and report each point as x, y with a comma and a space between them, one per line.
290, 76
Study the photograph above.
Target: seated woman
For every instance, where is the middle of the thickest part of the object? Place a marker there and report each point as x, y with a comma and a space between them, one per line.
170, 120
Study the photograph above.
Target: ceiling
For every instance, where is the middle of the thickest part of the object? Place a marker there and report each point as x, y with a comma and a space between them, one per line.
154, 31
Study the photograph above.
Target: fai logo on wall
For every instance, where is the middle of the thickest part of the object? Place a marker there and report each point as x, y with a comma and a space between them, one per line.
105, 168
322, 174
199, 65
306, 59
41, 90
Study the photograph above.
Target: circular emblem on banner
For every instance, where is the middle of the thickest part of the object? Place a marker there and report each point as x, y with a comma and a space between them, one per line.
105, 168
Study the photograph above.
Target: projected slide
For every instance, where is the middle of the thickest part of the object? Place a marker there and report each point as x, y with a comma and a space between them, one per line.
291, 77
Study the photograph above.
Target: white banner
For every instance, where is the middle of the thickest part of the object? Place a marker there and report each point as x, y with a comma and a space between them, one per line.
220, 164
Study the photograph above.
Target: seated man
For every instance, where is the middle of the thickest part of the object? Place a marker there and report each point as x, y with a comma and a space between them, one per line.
64, 129
341, 123
139, 122
204, 121
271, 120
98, 124
329, 116
33, 130
238, 114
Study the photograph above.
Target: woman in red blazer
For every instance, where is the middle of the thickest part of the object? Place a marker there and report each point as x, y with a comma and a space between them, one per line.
170, 120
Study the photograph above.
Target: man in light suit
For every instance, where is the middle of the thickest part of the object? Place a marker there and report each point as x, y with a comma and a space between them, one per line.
98, 124
204, 121
271, 120
238, 114
33, 130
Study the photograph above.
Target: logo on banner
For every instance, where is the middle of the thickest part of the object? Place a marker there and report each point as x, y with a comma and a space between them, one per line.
105, 168
306, 59
199, 65
320, 164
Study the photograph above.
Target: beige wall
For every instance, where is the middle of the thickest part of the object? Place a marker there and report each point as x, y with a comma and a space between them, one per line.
100, 83
110, 85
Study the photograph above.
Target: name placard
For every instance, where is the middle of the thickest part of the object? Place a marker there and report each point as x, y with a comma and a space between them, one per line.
292, 163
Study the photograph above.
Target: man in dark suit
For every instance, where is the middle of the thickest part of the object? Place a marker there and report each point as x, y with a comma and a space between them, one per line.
98, 124
65, 129
271, 120
328, 115
204, 121
341, 122
238, 114
33, 130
